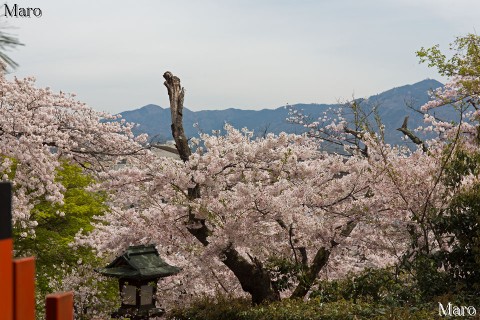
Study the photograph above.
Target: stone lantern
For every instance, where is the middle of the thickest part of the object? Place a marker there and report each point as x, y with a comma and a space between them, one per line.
138, 270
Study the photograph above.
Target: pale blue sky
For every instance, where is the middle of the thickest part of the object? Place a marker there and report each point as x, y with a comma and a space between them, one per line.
245, 54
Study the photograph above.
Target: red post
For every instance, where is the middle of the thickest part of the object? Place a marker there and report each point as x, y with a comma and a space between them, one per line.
17, 278
6, 250
24, 289
59, 306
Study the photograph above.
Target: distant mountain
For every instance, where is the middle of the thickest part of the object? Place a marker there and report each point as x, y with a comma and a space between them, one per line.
392, 108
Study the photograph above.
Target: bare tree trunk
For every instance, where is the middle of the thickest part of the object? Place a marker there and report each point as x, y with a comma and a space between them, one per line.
253, 278
176, 94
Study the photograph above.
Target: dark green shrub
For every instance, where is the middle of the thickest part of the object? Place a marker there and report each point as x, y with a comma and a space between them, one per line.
455, 267
207, 308
385, 286
313, 309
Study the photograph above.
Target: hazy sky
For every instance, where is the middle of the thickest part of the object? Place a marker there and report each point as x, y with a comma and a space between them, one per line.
248, 54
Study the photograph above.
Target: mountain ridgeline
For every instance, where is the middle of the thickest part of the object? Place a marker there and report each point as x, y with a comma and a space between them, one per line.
392, 106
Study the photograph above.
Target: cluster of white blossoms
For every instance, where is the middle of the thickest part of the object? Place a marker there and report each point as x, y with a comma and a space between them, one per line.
276, 196
39, 129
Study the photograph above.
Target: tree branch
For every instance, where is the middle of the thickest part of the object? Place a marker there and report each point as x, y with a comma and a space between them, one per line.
404, 129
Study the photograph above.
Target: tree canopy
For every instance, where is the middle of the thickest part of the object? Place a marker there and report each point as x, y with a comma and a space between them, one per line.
266, 217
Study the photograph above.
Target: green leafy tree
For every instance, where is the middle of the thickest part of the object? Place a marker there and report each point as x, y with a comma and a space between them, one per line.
465, 60
463, 64
60, 266
458, 226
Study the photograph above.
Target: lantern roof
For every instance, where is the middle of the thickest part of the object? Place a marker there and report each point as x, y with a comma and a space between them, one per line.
139, 263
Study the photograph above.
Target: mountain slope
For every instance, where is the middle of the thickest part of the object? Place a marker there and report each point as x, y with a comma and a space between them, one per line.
155, 120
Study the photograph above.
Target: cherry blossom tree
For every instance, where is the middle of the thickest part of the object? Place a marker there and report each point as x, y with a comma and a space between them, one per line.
427, 186
39, 129
237, 206
263, 198
456, 226
235, 209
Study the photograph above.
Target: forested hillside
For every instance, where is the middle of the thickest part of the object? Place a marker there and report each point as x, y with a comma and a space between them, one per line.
393, 105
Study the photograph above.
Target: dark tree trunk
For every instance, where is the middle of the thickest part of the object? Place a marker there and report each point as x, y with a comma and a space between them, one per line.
176, 94
253, 278
311, 273
320, 260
